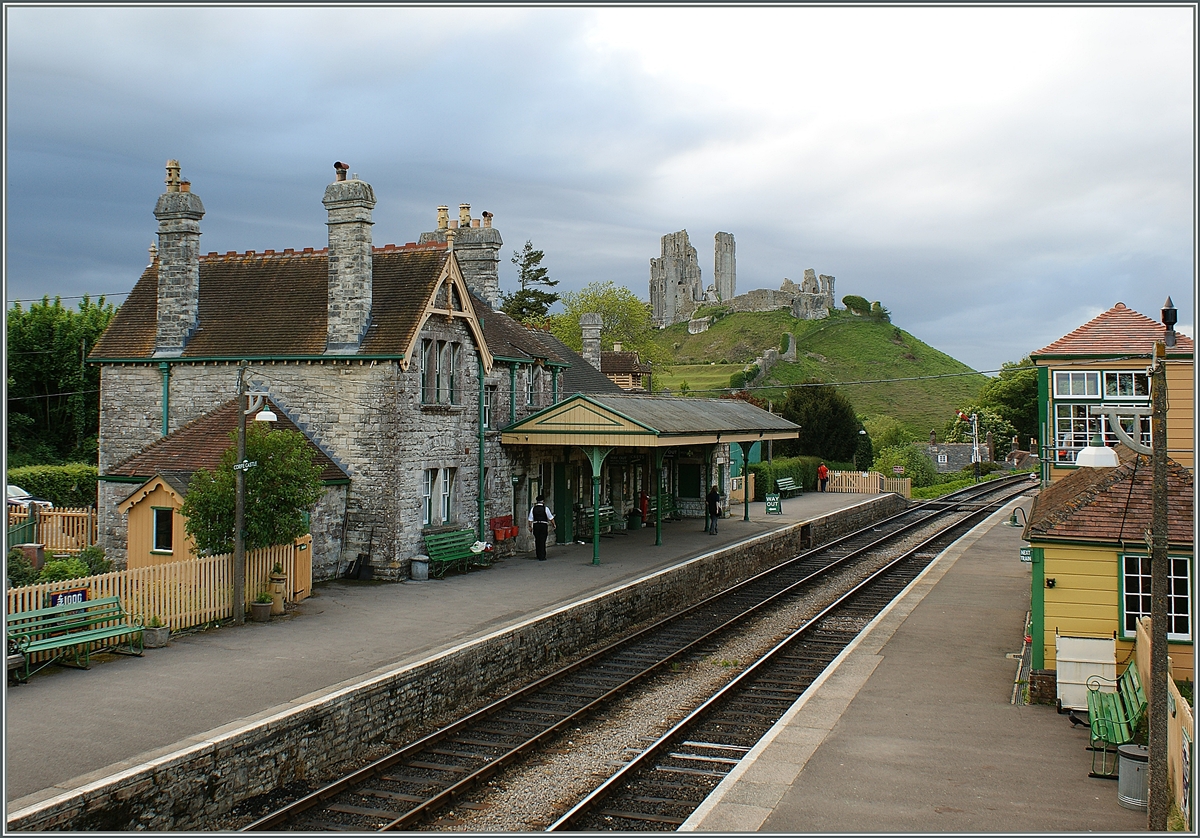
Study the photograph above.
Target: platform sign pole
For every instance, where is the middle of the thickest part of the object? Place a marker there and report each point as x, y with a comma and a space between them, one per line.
746, 446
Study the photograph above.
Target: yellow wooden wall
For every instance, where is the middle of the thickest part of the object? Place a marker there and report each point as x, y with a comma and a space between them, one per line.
1084, 601
141, 530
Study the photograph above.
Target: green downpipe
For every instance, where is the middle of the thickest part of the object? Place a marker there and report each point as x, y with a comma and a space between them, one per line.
1037, 608
482, 508
166, 396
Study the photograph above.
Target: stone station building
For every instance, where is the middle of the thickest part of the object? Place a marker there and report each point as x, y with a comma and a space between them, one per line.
390, 360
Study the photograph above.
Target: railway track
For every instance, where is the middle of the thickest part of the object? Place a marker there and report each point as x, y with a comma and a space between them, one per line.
410, 785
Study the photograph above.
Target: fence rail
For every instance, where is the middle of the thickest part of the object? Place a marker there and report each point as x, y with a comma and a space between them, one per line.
868, 483
183, 594
59, 530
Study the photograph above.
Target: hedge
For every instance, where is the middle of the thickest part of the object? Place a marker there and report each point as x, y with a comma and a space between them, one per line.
72, 485
801, 469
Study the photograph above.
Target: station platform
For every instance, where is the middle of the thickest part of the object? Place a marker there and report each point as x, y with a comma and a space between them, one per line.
913, 729
66, 728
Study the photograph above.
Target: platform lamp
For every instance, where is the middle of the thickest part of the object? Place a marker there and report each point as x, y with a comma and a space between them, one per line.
239, 482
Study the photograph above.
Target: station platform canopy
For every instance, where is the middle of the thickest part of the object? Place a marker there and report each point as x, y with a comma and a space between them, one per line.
645, 421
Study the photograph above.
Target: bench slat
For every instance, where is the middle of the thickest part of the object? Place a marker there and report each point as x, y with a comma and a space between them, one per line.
72, 629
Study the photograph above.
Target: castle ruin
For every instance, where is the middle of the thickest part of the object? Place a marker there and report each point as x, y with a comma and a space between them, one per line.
677, 291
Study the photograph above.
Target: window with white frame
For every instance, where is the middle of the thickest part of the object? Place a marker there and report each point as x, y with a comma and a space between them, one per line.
453, 372
1076, 384
429, 478
490, 392
1121, 384
164, 530
447, 494
443, 373
1135, 599
943, 459
529, 380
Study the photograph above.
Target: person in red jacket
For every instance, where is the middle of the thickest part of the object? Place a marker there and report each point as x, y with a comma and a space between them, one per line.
822, 477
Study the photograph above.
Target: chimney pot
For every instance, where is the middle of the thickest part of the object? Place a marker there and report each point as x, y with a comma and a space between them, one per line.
443, 217
464, 215
185, 186
487, 220
475, 222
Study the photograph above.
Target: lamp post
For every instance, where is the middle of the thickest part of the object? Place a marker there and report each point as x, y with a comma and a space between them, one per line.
239, 483
974, 420
861, 432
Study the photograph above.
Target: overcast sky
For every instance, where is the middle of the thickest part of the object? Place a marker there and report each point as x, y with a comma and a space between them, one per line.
995, 176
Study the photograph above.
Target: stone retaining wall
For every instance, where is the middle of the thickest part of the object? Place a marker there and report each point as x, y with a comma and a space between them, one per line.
191, 786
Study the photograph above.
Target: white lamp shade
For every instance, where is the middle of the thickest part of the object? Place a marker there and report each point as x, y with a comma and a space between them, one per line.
266, 415
1097, 456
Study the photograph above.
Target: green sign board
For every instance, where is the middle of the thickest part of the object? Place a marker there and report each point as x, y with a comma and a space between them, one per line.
1027, 554
774, 507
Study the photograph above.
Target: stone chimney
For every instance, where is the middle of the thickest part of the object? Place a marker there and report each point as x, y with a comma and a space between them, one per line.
476, 247
349, 204
178, 212
590, 325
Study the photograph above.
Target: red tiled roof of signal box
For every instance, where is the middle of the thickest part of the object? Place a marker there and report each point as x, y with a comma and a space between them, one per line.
1118, 331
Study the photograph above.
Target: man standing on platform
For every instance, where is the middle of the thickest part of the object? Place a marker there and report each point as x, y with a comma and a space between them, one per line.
540, 517
714, 509
822, 477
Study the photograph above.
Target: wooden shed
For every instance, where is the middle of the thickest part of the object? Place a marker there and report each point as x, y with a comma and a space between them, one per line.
155, 523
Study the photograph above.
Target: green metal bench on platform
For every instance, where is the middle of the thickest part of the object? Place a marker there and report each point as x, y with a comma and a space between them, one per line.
71, 630
452, 551
1114, 717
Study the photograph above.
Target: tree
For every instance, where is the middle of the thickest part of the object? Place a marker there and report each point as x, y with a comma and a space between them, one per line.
280, 490
916, 465
1013, 395
529, 304
53, 394
828, 425
856, 304
885, 431
959, 430
624, 319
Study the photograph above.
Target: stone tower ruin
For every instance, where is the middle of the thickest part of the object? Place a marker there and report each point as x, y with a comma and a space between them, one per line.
675, 286
724, 267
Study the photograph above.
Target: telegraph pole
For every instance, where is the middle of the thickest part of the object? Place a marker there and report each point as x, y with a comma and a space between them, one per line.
239, 507
1159, 803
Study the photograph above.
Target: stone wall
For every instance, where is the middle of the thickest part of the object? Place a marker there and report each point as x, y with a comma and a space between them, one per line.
189, 788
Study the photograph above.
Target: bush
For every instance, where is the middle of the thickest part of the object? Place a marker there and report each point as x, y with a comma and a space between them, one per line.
72, 485
737, 381
20, 571
856, 304
917, 466
59, 569
93, 557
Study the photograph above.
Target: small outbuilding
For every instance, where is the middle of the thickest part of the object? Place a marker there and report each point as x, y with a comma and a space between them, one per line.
155, 521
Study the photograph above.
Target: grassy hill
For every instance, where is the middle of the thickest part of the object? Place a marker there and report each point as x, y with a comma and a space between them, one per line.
841, 349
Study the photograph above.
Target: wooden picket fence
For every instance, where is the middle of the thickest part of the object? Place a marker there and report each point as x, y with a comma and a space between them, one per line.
869, 483
184, 594
60, 530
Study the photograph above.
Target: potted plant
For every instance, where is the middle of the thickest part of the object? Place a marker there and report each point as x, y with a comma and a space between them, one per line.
260, 609
278, 581
155, 633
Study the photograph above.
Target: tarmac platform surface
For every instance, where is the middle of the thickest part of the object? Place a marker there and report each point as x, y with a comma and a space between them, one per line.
911, 730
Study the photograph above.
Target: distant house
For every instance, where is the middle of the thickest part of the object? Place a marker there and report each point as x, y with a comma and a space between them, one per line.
952, 456
1091, 566
1103, 363
625, 369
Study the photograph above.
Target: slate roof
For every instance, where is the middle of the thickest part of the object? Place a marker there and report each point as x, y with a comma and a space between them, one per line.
1118, 331
1112, 505
506, 338
580, 377
275, 305
200, 444
679, 415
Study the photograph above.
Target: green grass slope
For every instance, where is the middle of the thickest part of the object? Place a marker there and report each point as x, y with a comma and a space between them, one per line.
842, 349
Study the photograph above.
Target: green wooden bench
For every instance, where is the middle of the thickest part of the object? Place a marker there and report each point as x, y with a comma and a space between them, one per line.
451, 551
69, 632
668, 507
1114, 717
785, 486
